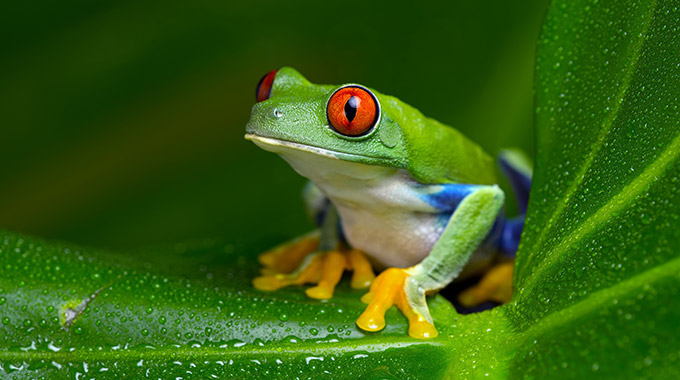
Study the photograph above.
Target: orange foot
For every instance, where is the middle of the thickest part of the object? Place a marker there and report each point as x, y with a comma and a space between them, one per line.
286, 257
496, 285
321, 268
388, 289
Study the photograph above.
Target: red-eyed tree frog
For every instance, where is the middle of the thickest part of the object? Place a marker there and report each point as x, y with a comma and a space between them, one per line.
389, 189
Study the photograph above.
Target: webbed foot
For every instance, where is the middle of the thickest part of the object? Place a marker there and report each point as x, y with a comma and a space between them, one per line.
323, 269
496, 285
396, 286
286, 257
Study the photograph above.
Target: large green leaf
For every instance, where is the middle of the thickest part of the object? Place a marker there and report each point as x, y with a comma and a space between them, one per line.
189, 310
597, 279
598, 273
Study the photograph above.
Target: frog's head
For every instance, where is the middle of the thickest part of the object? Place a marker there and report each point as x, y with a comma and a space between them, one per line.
348, 122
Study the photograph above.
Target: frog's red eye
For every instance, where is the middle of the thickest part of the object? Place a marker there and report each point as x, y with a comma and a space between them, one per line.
264, 86
353, 110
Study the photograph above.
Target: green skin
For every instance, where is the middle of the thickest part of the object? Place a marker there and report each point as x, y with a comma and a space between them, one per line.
293, 122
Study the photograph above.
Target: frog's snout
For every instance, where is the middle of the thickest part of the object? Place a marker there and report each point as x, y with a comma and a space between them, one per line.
263, 115
266, 111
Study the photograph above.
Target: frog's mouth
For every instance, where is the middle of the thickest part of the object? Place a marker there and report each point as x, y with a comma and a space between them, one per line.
281, 146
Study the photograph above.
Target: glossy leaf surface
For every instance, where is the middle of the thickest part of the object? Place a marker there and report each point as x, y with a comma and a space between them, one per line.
597, 276
597, 279
191, 311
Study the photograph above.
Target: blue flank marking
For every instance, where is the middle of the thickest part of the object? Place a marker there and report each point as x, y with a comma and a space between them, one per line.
448, 199
504, 235
509, 240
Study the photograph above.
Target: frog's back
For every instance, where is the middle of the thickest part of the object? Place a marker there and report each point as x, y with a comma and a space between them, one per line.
438, 153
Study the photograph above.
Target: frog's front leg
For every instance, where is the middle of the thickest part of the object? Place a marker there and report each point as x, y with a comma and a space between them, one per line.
319, 257
468, 226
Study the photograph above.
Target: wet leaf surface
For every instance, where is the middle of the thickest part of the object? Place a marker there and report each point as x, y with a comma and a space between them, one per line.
597, 279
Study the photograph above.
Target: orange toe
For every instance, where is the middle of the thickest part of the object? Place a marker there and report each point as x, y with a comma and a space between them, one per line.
388, 290
380, 298
496, 285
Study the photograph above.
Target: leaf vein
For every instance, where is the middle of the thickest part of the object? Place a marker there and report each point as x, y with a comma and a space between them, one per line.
599, 299
604, 214
208, 353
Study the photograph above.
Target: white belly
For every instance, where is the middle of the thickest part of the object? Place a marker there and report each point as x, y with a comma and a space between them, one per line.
380, 208
391, 239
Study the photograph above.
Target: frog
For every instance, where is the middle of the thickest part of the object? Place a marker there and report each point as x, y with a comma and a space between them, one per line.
390, 190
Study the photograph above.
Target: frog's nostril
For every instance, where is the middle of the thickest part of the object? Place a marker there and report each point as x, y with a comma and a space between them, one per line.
277, 113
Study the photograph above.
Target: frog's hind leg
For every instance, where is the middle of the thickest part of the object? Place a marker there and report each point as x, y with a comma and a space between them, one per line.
288, 256
495, 285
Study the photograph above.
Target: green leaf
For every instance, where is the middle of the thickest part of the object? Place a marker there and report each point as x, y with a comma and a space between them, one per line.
186, 310
597, 277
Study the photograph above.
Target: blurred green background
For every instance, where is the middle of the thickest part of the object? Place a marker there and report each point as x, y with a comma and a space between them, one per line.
121, 122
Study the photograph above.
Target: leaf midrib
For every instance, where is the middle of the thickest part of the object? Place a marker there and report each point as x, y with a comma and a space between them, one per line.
172, 352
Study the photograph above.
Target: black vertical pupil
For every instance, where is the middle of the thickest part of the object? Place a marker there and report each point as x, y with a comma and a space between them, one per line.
351, 108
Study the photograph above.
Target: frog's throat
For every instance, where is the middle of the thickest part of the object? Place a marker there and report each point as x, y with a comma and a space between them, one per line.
279, 146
